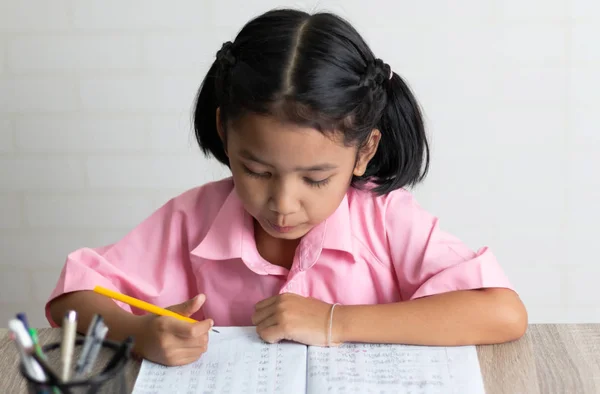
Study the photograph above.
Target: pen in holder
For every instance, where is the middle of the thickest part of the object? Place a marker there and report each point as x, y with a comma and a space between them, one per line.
107, 375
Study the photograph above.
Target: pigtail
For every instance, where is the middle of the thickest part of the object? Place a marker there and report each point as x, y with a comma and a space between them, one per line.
215, 92
402, 158
205, 116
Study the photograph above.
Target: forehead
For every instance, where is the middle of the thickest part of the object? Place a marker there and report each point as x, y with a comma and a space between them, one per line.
283, 142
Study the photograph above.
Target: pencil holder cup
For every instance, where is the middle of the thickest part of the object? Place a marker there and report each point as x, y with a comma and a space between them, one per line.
108, 374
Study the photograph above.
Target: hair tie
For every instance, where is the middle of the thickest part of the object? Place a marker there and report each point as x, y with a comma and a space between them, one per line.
377, 73
386, 68
225, 54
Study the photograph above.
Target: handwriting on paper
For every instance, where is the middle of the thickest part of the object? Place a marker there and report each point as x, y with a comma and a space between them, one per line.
238, 362
376, 368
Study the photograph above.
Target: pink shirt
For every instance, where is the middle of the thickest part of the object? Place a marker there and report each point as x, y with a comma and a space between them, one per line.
372, 250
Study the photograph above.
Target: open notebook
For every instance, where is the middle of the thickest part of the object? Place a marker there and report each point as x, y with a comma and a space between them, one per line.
238, 362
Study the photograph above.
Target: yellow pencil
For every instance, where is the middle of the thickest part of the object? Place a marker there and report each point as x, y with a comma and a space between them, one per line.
145, 306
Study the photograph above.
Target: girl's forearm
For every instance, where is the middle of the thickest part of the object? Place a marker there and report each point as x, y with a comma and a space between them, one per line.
121, 323
457, 318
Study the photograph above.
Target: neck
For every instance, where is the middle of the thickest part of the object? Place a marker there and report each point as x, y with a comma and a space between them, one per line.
276, 251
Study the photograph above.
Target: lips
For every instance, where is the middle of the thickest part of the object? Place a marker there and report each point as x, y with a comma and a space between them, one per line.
280, 229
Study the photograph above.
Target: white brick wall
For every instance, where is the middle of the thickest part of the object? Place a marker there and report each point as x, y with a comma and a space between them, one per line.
585, 52
42, 172
533, 44
128, 172
85, 211
16, 285
582, 280
11, 211
43, 282
2, 55
32, 15
95, 100
532, 10
38, 94
176, 51
33, 249
84, 134
64, 52
7, 143
139, 93
584, 10
142, 15
171, 134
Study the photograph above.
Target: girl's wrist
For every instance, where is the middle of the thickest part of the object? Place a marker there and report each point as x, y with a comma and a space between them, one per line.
124, 324
338, 324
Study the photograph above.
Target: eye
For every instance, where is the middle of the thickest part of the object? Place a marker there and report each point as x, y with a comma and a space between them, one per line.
317, 184
256, 174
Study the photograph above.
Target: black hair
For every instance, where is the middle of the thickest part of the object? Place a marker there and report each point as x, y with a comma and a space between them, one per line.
315, 70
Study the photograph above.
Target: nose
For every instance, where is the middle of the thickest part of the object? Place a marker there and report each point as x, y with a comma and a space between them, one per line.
282, 199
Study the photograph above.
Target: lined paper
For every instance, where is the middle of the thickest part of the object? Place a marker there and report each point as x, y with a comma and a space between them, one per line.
237, 362
376, 368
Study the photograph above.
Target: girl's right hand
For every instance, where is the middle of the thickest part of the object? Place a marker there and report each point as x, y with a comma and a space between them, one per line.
170, 341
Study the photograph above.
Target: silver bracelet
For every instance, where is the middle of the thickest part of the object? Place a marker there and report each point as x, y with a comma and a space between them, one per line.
330, 323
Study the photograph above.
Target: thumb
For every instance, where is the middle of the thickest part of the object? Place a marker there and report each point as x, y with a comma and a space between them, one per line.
189, 307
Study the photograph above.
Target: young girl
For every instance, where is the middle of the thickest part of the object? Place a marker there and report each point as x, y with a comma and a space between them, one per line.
313, 239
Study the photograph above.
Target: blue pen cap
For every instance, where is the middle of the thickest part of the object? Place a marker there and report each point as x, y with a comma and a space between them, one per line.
23, 318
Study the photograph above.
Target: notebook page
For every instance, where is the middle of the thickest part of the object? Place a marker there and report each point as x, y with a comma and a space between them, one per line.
237, 362
376, 368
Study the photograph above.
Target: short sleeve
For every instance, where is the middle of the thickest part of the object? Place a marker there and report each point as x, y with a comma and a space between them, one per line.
150, 263
428, 260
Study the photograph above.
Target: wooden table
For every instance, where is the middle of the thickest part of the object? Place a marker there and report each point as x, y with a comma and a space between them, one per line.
548, 359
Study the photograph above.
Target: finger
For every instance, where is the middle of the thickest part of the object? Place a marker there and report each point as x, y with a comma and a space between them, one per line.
268, 322
189, 307
195, 354
197, 329
262, 314
271, 334
191, 343
202, 327
172, 344
185, 356
184, 329
266, 302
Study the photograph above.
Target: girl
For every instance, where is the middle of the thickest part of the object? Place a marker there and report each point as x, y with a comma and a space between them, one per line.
313, 239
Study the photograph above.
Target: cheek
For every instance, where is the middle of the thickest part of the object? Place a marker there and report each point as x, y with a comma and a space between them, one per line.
248, 191
323, 204
317, 213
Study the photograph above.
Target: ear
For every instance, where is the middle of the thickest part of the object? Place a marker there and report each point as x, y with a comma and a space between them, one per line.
367, 152
220, 130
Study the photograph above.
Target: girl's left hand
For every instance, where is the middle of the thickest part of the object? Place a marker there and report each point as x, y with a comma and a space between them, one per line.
294, 318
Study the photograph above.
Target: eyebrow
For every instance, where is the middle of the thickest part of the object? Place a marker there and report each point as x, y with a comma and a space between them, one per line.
319, 167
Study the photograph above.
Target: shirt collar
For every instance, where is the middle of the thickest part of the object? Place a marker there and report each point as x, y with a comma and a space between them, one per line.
226, 236
335, 233
231, 236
